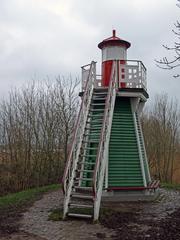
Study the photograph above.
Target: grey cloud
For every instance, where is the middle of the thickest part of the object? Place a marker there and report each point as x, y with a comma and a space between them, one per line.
36, 40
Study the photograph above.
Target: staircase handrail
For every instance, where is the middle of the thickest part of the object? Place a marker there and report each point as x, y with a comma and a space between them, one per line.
78, 129
104, 132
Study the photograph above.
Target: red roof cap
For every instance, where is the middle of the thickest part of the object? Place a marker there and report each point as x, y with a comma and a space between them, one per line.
113, 41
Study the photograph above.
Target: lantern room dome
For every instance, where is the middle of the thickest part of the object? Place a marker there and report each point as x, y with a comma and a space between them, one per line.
114, 41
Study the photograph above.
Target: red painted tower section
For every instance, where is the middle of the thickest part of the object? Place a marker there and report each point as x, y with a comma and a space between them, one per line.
113, 48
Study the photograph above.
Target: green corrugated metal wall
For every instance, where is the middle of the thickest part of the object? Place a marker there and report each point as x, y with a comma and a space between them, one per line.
124, 163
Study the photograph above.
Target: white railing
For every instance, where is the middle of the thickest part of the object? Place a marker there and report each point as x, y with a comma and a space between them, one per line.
69, 172
131, 74
103, 148
85, 73
98, 82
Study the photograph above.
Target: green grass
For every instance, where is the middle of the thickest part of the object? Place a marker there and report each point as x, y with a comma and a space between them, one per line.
171, 186
56, 214
20, 198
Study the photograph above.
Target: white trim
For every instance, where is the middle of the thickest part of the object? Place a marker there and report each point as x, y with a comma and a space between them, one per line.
107, 170
145, 154
134, 103
139, 150
140, 107
132, 94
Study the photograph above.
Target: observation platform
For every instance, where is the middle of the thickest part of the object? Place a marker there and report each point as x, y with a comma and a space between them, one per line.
131, 79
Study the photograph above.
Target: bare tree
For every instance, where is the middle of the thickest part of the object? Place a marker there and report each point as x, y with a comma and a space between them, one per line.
169, 64
35, 128
161, 128
67, 105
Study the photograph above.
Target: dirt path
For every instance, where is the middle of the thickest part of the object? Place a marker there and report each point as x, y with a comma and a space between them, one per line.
158, 220
21, 236
35, 221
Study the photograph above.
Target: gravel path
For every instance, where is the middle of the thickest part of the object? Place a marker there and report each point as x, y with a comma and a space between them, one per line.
35, 221
167, 203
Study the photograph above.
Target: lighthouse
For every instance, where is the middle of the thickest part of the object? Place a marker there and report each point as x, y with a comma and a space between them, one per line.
107, 160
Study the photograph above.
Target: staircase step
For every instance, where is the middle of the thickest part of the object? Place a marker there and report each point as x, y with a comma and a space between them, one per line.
91, 141
95, 121
84, 155
87, 163
78, 205
91, 148
97, 104
79, 215
85, 171
95, 115
101, 89
93, 137
83, 179
100, 99
99, 93
81, 196
97, 110
94, 129
88, 189
96, 125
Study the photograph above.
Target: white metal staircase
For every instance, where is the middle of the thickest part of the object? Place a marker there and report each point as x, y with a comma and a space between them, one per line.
85, 169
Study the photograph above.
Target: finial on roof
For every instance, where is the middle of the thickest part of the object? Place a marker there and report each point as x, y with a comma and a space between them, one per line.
114, 32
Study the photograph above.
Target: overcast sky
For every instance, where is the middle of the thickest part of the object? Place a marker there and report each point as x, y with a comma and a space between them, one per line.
40, 38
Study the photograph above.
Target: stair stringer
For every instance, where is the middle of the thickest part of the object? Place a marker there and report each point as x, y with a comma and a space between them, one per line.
103, 149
